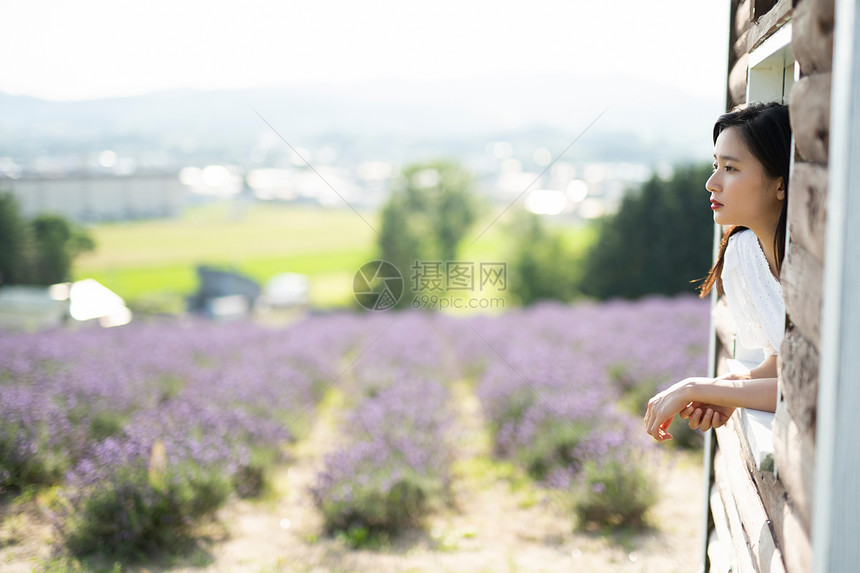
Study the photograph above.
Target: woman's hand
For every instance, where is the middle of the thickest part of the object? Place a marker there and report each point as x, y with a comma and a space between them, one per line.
663, 407
703, 416
715, 397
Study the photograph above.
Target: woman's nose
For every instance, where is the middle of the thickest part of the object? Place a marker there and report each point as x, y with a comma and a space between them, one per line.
711, 185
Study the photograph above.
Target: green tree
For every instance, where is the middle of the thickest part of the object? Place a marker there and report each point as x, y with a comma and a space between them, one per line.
542, 265
14, 259
51, 256
39, 251
659, 241
430, 210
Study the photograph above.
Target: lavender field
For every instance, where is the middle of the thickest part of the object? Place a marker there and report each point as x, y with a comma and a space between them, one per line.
143, 431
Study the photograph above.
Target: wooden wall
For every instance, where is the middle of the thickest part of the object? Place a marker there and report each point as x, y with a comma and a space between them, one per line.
749, 26
768, 515
803, 270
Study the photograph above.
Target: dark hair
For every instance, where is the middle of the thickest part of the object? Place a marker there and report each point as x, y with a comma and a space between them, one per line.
765, 128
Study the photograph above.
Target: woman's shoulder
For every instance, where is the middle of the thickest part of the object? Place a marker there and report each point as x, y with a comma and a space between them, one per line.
753, 293
743, 239
746, 267
740, 245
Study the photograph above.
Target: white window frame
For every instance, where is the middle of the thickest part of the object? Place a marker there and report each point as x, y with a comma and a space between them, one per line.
772, 69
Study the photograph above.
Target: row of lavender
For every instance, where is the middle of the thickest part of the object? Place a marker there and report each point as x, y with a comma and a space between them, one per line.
394, 462
566, 395
149, 427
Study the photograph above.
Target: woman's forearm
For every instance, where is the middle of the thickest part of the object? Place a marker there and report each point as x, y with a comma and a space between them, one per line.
756, 393
767, 368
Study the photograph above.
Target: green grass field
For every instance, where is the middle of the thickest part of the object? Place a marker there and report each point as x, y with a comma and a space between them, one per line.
152, 263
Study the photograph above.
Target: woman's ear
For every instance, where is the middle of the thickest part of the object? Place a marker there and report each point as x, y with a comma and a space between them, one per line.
780, 189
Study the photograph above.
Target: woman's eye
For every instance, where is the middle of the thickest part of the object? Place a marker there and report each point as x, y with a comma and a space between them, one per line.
730, 168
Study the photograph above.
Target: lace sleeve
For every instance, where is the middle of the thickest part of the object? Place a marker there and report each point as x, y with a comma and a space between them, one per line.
753, 294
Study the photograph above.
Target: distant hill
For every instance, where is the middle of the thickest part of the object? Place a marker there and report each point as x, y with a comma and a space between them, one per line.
648, 118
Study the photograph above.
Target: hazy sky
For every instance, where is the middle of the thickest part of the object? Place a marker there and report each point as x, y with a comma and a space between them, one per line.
64, 49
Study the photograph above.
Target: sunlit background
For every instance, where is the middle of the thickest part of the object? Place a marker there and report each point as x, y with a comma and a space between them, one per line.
150, 112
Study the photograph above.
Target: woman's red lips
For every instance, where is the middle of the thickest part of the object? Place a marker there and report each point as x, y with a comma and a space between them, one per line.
715, 204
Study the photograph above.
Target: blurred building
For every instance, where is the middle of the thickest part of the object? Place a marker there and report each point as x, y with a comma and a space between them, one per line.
99, 197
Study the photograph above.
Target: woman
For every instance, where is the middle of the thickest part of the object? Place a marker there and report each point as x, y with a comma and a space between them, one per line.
749, 192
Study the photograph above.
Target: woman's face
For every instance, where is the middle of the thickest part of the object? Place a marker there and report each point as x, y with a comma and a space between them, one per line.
742, 193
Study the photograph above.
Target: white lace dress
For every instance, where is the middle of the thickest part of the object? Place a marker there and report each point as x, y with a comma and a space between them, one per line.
753, 294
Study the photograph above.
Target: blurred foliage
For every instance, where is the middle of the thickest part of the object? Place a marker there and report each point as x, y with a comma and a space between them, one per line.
615, 493
46, 457
372, 510
45, 465
39, 251
554, 447
659, 241
140, 512
431, 208
56, 243
542, 264
555, 442
13, 241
